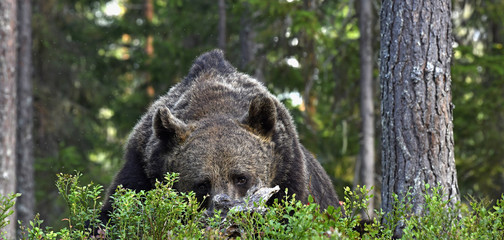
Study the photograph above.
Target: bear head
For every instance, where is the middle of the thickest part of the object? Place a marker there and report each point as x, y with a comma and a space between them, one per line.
218, 157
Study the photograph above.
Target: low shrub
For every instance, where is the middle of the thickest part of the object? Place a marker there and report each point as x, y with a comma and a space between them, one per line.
164, 213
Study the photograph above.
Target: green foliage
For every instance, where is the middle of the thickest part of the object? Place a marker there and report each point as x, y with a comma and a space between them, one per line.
35, 231
459, 222
478, 77
82, 201
6, 203
288, 218
158, 214
163, 213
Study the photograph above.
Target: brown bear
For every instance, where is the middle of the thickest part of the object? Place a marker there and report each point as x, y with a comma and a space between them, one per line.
224, 133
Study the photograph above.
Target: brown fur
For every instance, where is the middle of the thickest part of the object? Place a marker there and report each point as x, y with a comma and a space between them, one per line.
223, 132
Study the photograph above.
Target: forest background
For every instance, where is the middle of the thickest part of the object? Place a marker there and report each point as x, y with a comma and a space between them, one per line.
98, 64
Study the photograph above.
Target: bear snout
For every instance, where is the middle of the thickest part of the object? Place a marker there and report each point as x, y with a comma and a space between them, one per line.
221, 202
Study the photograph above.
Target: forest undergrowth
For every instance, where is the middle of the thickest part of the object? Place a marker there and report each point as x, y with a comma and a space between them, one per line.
164, 213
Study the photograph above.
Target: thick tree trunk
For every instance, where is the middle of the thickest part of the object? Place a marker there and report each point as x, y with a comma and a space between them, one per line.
416, 109
8, 56
367, 149
222, 25
25, 203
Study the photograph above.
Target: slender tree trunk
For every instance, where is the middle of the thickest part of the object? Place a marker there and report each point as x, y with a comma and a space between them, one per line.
310, 71
149, 15
247, 48
25, 203
8, 56
367, 149
416, 108
149, 46
222, 25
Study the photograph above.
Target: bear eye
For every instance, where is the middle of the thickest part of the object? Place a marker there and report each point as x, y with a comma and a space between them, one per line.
203, 186
241, 181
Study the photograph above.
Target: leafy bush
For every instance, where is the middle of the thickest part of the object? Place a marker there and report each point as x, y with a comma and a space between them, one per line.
442, 222
6, 203
163, 213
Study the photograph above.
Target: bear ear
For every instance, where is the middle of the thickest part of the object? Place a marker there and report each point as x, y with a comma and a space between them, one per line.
167, 127
262, 116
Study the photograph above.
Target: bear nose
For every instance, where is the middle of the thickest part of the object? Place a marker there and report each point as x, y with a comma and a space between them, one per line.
222, 202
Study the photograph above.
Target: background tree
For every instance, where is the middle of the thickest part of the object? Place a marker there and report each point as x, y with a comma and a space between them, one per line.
222, 25
247, 46
8, 61
364, 169
417, 129
24, 148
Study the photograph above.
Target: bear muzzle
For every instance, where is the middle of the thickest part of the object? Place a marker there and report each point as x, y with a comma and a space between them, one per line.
250, 203
223, 203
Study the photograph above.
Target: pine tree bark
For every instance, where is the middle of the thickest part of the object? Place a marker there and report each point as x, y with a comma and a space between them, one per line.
24, 148
8, 56
367, 149
416, 108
